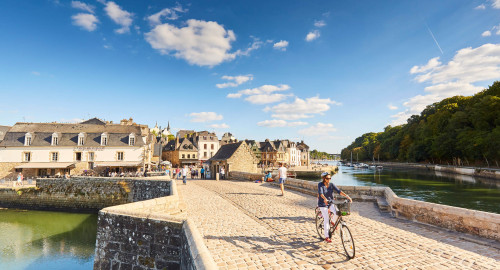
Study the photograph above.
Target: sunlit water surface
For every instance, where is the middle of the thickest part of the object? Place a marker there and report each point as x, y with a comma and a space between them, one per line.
430, 186
46, 240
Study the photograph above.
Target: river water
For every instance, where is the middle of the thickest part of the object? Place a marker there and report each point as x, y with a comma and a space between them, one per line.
46, 240
430, 186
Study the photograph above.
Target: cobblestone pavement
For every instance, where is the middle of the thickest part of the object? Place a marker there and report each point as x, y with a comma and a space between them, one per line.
248, 226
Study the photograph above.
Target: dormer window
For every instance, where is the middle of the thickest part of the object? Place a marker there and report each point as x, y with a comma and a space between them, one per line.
104, 139
131, 139
55, 139
81, 139
27, 139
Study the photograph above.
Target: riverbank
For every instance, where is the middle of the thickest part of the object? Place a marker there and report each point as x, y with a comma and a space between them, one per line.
471, 171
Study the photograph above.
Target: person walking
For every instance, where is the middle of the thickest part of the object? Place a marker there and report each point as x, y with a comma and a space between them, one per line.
184, 173
20, 178
222, 173
282, 177
202, 173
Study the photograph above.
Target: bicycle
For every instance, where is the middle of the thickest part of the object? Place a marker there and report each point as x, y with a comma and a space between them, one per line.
345, 234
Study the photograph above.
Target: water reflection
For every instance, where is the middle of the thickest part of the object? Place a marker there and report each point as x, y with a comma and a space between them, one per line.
431, 186
46, 240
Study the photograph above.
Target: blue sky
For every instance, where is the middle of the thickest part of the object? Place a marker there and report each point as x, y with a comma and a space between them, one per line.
321, 71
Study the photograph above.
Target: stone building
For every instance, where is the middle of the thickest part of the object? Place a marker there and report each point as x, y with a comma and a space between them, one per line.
304, 153
48, 149
228, 138
273, 152
234, 157
180, 152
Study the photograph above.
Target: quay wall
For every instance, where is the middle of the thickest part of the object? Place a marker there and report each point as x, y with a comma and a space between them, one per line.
458, 219
151, 234
472, 171
82, 194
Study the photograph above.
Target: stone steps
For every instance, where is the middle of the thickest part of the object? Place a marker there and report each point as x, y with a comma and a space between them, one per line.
383, 205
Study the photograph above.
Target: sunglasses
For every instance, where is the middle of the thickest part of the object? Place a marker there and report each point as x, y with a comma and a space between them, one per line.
328, 178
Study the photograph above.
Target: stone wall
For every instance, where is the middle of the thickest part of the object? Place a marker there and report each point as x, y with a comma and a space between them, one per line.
7, 170
474, 222
83, 193
243, 160
151, 234
476, 172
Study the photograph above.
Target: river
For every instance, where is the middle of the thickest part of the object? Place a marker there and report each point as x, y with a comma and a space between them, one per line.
46, 240
430, 186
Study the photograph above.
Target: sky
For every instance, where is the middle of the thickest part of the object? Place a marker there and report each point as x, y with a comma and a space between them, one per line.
322, 71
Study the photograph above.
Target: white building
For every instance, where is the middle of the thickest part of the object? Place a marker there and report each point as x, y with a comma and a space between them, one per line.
48, 149
294, 155
207, 143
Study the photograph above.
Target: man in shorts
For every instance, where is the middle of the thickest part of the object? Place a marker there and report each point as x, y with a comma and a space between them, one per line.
282, 176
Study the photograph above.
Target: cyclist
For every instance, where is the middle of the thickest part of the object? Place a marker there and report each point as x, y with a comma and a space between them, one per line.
325, 193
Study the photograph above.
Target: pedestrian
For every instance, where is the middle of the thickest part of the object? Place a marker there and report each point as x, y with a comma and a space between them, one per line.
222, 173
282, 176
20, 178
202, 172
184, 172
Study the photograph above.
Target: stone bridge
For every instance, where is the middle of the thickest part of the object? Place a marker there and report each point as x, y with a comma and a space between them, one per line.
247, 225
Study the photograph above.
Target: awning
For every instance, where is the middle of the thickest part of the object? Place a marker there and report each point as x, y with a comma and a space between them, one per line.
45, 165
118, 164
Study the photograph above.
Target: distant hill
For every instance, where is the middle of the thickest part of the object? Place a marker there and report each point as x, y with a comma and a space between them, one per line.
456, 130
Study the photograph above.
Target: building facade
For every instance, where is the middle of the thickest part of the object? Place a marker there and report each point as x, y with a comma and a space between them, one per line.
51, 149
233, 157
180, 152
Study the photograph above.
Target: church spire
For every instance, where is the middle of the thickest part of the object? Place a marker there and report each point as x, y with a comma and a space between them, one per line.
168, 127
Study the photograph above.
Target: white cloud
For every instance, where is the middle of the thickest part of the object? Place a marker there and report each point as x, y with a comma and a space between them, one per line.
457, 77
234, 80
291, 116
266, 98
482, 6
166, 13
36, 73
319, 23
220, 126
486, 34
280, 123
320, 129
86, 21
281, 45
256, 44
234, 95
205, 117
312, 35
392, 107
119, 16
496, 4
82, 6
302, 108
263, 94
199, 42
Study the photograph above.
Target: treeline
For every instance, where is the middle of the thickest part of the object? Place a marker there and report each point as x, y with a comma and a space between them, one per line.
458, 130
315, 154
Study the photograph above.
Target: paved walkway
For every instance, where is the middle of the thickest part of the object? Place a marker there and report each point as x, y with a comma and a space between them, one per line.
248, 226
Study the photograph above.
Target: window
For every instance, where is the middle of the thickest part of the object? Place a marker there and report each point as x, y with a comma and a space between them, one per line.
81, 139
91, 165
183, 156
211, 138
91, 156
104, 139
55, 139
205, 146
194, 155
212, 146
78, 156
27, 156
189, 156
27, 139
205, 138
205, 154
54, 156
119, 155
131, 139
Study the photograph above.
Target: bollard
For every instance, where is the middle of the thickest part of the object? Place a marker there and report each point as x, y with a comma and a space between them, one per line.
217, 176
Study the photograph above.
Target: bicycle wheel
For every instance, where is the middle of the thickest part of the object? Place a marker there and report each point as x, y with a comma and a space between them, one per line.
347, 241
319, 224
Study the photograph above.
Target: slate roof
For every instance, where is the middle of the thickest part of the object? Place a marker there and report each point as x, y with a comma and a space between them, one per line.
94, 121
3, 131
226, 151
118, 135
